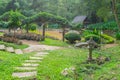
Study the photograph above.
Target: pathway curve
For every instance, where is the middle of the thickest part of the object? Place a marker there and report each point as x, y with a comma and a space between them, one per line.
29, 67
36, 46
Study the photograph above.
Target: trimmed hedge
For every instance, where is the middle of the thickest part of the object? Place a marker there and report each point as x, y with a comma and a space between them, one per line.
11, 40
72, 36
27, 36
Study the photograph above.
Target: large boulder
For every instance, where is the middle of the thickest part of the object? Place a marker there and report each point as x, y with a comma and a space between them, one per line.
2, 47
10, 49
18, 51
81, 44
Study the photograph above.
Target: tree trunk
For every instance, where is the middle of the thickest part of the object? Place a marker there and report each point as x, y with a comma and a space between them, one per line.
115, 13
63, 34
27, 29
43, 32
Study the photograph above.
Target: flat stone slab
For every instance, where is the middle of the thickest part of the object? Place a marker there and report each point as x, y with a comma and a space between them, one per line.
10, 49
42, 53
32, 61
25, 68
36, 58
30, 64
18, 51
2, 47
82, 44
24, 74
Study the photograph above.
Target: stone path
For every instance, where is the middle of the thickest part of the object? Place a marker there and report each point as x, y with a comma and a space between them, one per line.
29, 67
35, 46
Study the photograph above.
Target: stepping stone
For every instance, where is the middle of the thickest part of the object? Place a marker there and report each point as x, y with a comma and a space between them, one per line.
36, 58
18, 51
30, 64
2, 47
40, 53
26, 68
24, 74
10, 49
32, 61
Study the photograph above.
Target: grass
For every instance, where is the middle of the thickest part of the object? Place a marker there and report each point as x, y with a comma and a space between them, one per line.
14, 45
54, 42
58, 60
1, 34
7, 63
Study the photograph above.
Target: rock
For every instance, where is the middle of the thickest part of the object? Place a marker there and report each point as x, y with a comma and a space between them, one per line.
65, 72
82, 44
24, 74
10, 49
2, 47
18, 51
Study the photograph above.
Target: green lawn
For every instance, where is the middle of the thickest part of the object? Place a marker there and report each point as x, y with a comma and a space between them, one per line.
14, 45
7, 63
56, 61
52, 42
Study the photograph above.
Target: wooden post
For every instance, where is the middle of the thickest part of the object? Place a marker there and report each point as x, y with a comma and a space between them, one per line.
63, 34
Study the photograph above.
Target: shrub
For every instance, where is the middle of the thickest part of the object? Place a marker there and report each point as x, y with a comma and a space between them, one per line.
33, 27
117, 35
108, 39
11, 40
28, 36
95, 38
72, 36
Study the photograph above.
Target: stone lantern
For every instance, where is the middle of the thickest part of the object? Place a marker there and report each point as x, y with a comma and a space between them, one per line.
91, 46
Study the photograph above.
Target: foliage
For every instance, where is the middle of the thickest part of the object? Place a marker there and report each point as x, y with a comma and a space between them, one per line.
96, 38
52, 42
27, 36
77, 57
8, 62
33, 27
117, 35
46, 17
72, 36
4, 24
108, 39
77, 26
23, 46
104, 26
11, 40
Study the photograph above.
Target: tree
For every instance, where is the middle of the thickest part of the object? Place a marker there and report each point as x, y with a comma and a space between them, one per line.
115, 8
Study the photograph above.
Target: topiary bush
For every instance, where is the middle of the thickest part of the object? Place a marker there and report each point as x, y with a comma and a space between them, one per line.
117, 35
96, 38
33, 27
72, 36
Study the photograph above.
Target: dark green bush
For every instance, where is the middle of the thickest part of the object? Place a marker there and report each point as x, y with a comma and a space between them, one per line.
33, 27
72, 36
117, 35
96, 38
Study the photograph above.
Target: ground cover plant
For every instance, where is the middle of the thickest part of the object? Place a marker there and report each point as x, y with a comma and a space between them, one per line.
7, 63
58, 60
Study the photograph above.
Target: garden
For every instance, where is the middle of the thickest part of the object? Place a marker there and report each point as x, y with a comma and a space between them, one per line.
38, 42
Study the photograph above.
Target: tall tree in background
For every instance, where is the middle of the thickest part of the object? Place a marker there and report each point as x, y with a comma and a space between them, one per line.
116, 11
